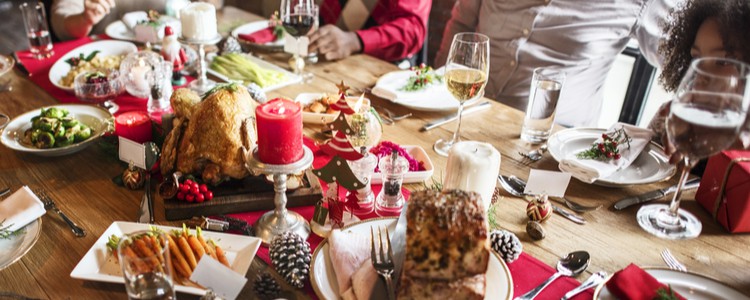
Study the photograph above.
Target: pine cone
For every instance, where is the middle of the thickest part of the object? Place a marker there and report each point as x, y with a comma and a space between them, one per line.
266, 287
230, 45
290, 256
506, 244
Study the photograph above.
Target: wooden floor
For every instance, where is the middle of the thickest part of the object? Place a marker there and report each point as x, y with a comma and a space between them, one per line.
11, 27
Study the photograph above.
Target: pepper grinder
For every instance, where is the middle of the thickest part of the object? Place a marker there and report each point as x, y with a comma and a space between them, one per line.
363, 169
390, 200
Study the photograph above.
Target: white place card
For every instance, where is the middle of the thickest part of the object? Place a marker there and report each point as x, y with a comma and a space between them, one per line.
295, 46
132, 152
225, 282
547, 182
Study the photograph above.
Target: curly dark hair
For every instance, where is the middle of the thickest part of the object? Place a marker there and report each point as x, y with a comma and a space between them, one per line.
733, 17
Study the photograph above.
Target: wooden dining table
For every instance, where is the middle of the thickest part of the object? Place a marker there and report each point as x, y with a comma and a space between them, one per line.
82, 186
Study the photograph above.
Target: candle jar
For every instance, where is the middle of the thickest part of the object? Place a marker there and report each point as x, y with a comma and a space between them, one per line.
390, 200
363, 168
137, 68
366, 126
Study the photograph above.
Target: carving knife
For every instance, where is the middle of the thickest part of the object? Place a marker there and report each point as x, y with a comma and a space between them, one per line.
656, 194
439, 122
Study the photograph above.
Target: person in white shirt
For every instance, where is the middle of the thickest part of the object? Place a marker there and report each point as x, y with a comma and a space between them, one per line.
581, 37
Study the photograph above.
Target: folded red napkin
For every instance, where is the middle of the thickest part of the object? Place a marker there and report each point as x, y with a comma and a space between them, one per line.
259, 37
634, 283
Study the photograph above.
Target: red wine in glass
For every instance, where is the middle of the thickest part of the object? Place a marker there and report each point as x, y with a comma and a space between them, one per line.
298, 25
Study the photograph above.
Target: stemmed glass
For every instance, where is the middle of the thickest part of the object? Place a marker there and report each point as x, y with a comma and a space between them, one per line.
100, 86
709, 107
298, 17
465, 76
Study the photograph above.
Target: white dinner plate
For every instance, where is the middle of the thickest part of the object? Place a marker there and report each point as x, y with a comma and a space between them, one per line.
61, 68
323, 278
15, 247
277, 45
419, 154
99, 265
290, 77
689, 285
100, 121
119, 31
433, 98
652, 165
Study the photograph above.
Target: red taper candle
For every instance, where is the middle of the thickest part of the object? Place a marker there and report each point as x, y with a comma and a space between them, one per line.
279, 125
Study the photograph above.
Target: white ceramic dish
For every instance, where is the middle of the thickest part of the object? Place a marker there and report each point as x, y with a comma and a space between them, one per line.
119, 31
652, 165
433, 98
321, 118
100, 121
14, 248
290, 77
412, 177
323, 277
61, 68
690, 285
6, 64
99, 265
251, 27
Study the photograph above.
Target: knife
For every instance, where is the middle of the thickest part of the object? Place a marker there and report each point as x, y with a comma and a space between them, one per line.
20, 65
653, 195
442, 121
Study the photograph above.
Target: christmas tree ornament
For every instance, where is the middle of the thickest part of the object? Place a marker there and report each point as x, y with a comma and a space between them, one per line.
506, 244
133, 177
290, 256
266, 287
341, 146
535, 230
539, 209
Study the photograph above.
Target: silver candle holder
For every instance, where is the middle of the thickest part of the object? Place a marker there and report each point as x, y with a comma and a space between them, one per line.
280, 219
202, 84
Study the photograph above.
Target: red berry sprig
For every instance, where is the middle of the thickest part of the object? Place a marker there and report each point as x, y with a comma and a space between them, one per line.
608, 147
191, 191
424, 76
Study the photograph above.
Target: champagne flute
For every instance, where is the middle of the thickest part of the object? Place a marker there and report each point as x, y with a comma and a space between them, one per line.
705, 117
465, 75
298, 18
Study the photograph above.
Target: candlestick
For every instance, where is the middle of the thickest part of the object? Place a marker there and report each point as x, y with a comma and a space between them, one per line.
134, 125
279, 126
473, 166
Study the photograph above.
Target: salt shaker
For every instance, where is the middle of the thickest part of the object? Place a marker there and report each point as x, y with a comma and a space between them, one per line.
363, 169
161, 90
390, 200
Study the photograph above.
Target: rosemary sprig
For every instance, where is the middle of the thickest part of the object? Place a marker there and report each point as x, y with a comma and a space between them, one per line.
492, 218
668, 294
424, 77
609, 147
6, 234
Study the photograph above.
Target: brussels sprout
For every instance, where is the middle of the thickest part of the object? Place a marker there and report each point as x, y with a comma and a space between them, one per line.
43, 140
65, 140
83, 134
54, 112
59, 130
69, 121
45, 124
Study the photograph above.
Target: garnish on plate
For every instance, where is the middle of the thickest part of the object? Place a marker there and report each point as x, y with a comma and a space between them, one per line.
278, 26
75, 60
424, 77
153, 19
385, 148
6, 234
609, 147
666, 294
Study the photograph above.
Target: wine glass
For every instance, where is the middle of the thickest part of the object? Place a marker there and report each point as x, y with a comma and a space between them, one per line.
709, 107
298, 18
99, 86
465, 76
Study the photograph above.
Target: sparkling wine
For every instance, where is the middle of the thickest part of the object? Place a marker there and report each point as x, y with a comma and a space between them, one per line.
41, 43
151, 286
540, 114
701, 130
465, 84
298, 25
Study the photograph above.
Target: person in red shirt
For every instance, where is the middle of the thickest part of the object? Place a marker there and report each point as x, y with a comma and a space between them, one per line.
387, 29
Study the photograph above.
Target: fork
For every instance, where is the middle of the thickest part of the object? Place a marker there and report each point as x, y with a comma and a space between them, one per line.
383, 261
534, 155
672, 262
393, 117
50, 205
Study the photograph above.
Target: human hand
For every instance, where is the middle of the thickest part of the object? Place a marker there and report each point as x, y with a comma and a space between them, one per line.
95, 10
334, 43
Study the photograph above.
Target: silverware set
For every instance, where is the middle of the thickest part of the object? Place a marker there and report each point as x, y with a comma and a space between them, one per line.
49, 204
534, 155
382, 260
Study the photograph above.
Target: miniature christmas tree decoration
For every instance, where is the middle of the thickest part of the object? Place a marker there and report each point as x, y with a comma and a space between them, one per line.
337, 170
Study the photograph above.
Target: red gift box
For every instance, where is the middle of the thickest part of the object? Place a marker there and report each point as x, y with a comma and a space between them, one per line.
725, 190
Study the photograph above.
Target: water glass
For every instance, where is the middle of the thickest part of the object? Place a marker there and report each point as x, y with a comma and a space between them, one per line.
35, 20
546, 85
146, 265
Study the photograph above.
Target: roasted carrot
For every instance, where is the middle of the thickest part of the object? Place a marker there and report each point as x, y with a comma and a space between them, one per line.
157, 248
180, 260
209, 250
185, 247
146, 252
135, 261
221, 255
181, 268
196, 246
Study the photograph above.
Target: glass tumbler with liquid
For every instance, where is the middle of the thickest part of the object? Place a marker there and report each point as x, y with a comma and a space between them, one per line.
544, 93
147, 274
35, 21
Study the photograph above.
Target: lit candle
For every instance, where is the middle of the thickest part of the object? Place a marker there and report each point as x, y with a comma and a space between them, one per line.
473, 166
138, 74
279, 125
134, 125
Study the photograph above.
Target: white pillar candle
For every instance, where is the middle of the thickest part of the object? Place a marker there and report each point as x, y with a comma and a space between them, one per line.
473, 166
198, 21
139, 80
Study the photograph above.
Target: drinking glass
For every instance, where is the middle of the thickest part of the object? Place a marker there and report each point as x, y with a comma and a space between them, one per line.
709, 107
101, 91
35, 20
146, 276
298, 18
546, 84
465, 76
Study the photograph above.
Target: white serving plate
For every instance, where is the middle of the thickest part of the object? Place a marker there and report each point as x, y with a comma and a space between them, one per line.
412, 177
652, 165
99, 265
290, 77
433, 98
277, 45
689, 285
325, 285
61, 68
319, 118
14, 248
100, 121
119, 31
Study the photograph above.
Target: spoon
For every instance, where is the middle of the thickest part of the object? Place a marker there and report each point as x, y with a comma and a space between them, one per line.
514, 189
577, 207
571, 265
594, 280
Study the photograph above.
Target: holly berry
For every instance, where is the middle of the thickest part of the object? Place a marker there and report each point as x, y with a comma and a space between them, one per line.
181, 196
203, 188
199, 198
192, 191
190, 198
617, 156
208, 195
184, 188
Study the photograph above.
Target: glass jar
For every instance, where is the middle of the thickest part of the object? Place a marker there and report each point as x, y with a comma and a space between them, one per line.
363, 169
137, 68
390, 200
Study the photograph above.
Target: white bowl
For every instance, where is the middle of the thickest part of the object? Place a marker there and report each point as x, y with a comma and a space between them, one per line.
61, 68
413, 176
316, 118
